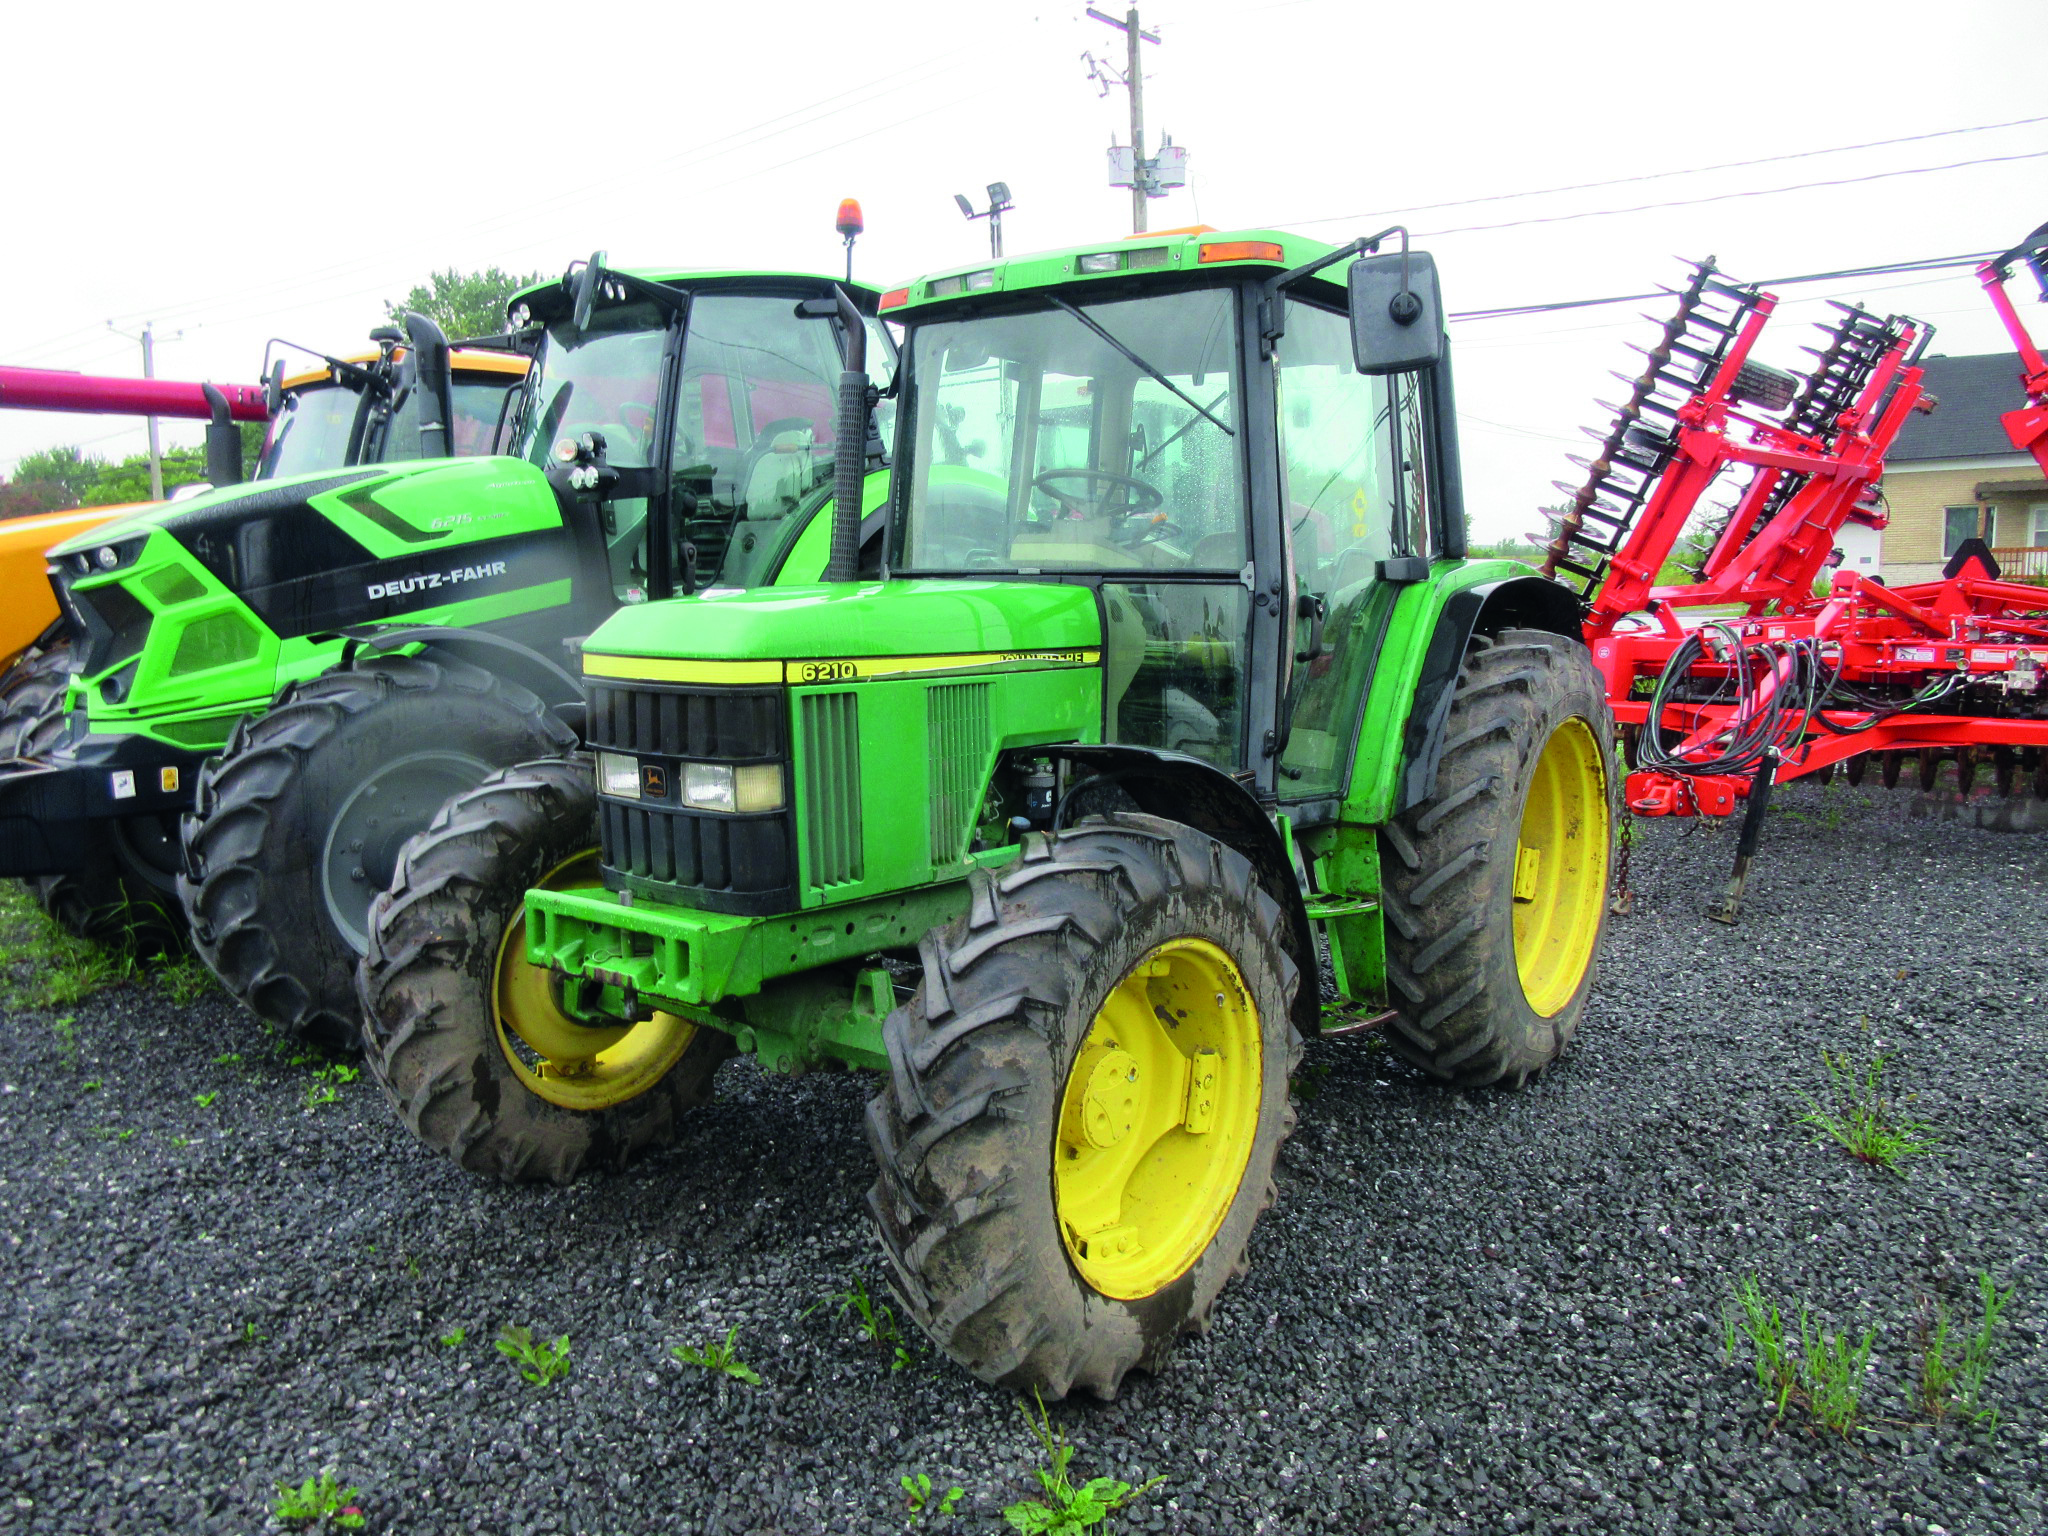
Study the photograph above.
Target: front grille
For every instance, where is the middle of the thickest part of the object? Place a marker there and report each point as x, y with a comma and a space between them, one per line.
956, 732
832, 823
714, 860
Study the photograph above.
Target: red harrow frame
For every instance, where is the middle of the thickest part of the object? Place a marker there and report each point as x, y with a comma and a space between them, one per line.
1716, 708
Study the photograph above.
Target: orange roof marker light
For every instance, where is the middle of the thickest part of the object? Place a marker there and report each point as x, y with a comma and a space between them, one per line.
1240, 250
849, 225
895, 298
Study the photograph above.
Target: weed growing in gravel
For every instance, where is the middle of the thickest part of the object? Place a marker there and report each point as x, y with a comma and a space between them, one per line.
1831, 1372
66, 1031
539, 1362
205, 1100
181, 1141
719, 1357
228, 1059
318, 1501
1308, 1082
1066, 1508
877, 1323
184, 980
1776, 1376
251, 1334
1825, 1376
917, 1488
92, 1085
1951, 1383
453, 1338
1858, 1116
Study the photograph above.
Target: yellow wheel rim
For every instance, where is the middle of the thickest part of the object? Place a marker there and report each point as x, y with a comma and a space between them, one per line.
1157, 1119
1561, 868
555, 1057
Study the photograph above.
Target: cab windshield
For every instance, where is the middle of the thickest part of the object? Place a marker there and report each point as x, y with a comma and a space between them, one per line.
311, 431
602, 379
1044, 442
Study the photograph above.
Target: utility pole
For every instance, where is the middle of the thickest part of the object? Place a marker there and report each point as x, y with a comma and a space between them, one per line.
156, 458
1148, 178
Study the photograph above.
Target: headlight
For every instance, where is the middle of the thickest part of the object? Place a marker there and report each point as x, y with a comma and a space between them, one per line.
743, 789
618, 775
108, 557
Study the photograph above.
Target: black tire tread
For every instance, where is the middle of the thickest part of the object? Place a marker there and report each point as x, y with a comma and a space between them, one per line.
427, 1035
995, 988
228, 894
1452, 1021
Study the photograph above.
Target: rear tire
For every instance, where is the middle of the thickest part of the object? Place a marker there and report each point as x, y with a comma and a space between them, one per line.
446, 947
297, 825
1490, 984
1033, 1250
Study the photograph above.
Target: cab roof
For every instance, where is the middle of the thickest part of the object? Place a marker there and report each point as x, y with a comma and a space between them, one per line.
460, 360
1195, 249
863, 296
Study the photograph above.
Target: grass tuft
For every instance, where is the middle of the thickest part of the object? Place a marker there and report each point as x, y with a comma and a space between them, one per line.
318, 1501
874, 1319
1858, 1115
1952, 1382
1825, 1375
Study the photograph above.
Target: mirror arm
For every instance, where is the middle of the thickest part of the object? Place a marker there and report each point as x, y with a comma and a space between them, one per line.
1272, 327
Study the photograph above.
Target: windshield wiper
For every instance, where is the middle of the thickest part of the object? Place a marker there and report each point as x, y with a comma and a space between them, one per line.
1183, 429
1141, 365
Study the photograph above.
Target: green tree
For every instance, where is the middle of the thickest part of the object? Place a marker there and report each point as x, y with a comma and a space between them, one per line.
464, 303
25, 498
68, 467
128, 480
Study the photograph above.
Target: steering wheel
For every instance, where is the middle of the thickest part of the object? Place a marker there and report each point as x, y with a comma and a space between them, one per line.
1143, 496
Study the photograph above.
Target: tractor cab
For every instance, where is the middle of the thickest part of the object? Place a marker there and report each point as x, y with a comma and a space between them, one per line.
684, 419
1180, 423
356, 410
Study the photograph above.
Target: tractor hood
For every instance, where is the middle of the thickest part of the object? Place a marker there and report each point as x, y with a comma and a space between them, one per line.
186, 604
825, 633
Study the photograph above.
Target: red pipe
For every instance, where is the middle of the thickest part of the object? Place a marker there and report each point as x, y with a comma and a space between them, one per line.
49, 389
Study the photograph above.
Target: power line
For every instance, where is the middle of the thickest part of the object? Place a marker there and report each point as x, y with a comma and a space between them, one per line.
1926, 264
1724, 197
1697, 170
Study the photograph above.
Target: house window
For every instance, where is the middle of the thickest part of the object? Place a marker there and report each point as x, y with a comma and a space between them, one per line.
2037, 515
1957, 524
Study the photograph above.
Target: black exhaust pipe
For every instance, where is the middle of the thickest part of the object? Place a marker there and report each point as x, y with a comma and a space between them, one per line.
431, 371
849, 446
223, 441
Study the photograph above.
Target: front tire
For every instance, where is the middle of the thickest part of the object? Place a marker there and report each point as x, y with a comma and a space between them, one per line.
1495, 886
30, 688
462, 1033
1086, 1096
297, 825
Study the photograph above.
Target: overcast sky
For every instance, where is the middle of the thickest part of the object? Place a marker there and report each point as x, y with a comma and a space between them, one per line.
282, 171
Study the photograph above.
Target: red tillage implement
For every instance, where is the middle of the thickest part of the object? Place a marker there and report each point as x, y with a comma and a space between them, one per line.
1776, 682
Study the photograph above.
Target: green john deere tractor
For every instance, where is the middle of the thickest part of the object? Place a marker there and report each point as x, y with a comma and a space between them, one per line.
309, 667
1176, 695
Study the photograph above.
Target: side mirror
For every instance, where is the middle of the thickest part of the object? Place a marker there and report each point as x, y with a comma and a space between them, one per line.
273, 389
586, 291
1397, 315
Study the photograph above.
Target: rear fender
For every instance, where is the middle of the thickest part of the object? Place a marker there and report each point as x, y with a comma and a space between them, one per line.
1185, 789
1525, 602
557, 687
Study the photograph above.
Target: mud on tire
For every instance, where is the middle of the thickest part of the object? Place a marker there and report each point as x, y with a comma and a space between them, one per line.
430, 1032
257, 860
1448, 865
964, 1129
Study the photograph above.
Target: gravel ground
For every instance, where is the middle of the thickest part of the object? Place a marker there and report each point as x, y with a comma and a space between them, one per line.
1466, 1313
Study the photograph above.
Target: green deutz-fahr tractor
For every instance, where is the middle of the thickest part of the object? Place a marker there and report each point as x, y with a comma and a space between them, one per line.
1176, 694
357, 646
